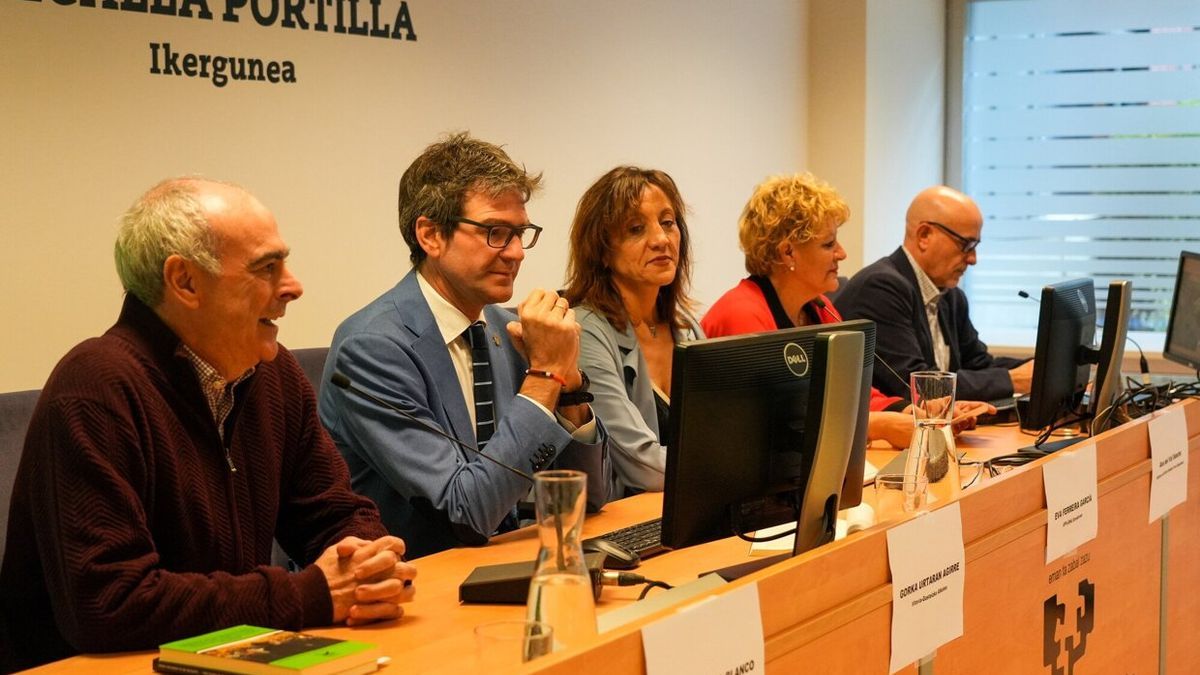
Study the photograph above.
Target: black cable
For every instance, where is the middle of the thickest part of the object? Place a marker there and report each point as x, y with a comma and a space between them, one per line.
653, 584
1143, 363
1048, 431
610, 578
1135, 401
982, 466
1015, 459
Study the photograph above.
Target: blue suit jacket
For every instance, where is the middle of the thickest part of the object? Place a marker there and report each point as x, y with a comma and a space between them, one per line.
887, 293
430, 492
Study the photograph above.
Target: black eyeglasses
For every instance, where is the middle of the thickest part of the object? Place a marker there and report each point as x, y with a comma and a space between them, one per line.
965, 244
499, 236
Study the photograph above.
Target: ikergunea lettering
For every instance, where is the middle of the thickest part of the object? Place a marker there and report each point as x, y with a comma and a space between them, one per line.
368, 18
220, 69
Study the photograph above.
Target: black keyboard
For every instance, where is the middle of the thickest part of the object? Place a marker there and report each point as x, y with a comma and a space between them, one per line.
644, 538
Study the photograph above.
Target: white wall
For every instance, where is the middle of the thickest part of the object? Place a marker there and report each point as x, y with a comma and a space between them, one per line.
875, 124
713, 92
905, 120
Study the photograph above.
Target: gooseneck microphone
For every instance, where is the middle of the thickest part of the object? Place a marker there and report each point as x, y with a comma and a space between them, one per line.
1143, 364
342, 382
821, 306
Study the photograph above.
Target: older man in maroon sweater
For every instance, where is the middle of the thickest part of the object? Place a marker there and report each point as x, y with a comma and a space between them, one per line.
164, 456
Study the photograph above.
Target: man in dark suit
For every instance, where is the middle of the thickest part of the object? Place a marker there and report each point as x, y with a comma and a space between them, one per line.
923, 318
438, 346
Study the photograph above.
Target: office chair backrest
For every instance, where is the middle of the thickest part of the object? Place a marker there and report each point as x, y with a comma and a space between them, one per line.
16, 408
312, 360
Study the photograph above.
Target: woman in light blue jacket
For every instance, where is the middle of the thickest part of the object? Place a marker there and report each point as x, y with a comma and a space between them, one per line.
629, 272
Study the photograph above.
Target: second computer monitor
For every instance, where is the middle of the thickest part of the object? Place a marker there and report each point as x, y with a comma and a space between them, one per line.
745, 424
1066, 328
1183, 330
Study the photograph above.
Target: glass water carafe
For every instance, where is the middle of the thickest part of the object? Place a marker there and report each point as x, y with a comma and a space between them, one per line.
560, 593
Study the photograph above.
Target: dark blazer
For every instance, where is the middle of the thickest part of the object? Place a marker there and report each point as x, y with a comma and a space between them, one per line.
430, 492
887, 293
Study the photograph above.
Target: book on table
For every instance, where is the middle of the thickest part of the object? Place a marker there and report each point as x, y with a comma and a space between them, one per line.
251, 650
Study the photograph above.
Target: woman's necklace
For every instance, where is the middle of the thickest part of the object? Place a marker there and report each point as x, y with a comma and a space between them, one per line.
650, 326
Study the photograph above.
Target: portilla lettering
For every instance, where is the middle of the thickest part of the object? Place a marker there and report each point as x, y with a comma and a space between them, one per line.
348, 17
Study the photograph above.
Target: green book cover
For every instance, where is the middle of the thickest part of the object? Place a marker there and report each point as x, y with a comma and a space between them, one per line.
254, 646
216, 638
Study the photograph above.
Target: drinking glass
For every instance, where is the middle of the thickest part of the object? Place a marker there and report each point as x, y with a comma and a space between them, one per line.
506, 643
896, 494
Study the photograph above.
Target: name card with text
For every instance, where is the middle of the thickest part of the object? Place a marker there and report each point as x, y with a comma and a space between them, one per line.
1168, 461
928, 569
1072, 506
719, 636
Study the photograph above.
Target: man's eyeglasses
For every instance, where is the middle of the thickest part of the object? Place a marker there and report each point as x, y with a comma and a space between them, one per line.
965, 244
499, 236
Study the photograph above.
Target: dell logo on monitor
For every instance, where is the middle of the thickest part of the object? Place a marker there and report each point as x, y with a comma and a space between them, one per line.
796, 359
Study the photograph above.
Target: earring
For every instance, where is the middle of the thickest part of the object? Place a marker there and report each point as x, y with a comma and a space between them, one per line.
791, 268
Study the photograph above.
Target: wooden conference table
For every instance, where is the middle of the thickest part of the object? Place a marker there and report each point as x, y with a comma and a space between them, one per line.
829, 610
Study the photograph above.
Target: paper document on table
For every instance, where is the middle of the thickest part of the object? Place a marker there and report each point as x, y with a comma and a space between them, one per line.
849, 521
869, 471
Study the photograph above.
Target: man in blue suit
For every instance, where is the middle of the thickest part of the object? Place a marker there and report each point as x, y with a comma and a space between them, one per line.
462, 214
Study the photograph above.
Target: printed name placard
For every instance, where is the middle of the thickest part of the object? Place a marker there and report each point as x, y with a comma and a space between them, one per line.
1072, 506
1168, 461
928, 570
719, 636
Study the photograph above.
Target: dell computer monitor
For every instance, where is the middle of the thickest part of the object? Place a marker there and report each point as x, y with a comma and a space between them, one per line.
1183, 329
750, 415
1066, 330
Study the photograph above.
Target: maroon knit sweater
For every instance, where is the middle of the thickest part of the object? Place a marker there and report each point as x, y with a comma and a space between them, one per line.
127, 527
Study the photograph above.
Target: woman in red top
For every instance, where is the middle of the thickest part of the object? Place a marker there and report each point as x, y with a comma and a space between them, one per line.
788, 232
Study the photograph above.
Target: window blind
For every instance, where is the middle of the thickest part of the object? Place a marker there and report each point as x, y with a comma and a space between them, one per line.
1081, 144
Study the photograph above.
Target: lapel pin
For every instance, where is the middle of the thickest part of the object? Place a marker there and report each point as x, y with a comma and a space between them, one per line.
496, 340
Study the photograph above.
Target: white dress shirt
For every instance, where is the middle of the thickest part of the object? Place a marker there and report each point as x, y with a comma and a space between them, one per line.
930, 295
451, 323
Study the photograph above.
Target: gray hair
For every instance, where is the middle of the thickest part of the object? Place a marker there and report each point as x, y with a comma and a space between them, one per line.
166, 221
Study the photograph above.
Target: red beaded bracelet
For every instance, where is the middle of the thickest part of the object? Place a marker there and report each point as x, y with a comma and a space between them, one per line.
548, 375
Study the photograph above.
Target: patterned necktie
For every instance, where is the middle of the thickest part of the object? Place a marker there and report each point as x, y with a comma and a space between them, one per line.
485, 409
481, 370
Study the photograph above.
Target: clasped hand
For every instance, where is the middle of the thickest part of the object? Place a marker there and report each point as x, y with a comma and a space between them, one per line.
368, 580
